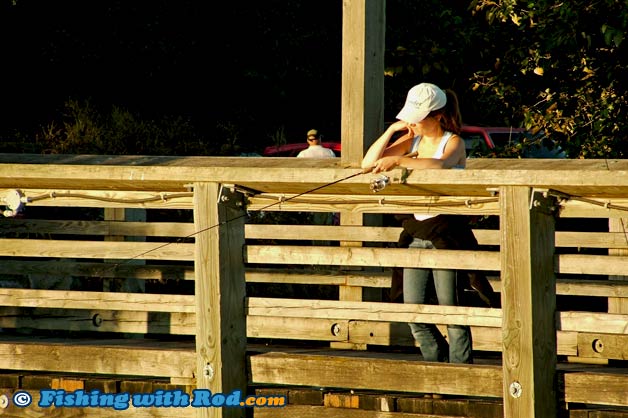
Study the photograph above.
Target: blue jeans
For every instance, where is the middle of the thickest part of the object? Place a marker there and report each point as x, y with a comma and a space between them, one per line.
434, 347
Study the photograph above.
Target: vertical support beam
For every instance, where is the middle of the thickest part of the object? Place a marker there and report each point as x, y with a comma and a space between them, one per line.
112, 214
528, 303
219, 296
349, 293
620, 225
362, 108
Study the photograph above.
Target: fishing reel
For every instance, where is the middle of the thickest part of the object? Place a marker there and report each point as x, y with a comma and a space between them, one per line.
379, 183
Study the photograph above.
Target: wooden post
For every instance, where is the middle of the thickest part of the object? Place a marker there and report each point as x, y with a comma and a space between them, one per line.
362, 108
219, 295
528, 303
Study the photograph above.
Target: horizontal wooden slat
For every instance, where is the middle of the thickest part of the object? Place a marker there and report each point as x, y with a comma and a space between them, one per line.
597, 388
591, 264
402, 257
129, 357
322, 232
578, 287
401, 312
373, 311
318, 277
105, 270
313, 329
174, 323
601, 178
386, 374
400, 375
607, 346
142, 229
95, 249
72, 299
367, 256
484, 338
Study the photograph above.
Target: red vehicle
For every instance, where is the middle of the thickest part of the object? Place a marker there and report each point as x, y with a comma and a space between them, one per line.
477, 140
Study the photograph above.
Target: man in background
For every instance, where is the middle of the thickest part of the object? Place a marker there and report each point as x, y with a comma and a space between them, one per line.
315, 149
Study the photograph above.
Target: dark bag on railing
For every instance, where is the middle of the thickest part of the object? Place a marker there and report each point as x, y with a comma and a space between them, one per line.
450, 232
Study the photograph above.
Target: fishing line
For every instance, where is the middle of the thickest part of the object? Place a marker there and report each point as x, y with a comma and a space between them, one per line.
244, 215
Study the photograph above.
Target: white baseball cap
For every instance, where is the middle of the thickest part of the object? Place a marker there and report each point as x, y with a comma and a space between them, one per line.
422, 99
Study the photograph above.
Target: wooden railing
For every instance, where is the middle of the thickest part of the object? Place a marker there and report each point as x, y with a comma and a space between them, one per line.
179, 294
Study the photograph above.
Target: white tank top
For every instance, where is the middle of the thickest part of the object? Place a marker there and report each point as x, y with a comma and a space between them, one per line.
438, 155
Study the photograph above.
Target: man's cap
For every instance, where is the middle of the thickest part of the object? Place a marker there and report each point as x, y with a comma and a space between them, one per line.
312, 132
422, 99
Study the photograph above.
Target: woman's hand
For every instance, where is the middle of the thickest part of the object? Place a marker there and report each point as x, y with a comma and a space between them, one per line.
399, 126
386, 163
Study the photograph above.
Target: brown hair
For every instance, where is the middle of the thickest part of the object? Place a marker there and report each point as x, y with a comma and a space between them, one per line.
451, 119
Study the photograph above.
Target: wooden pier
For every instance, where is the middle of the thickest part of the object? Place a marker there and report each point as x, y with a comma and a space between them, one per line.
208, 291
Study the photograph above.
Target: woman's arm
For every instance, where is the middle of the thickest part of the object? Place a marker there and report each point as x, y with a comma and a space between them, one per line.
381, 149
453, 155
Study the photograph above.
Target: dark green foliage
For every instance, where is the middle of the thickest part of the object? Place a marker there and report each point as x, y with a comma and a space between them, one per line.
201, 78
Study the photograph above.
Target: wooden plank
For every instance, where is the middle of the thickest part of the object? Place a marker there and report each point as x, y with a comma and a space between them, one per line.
318, 277
362, 372
528, 304
322, 232
591, 264
484, 338
597, 388
103, 358
369, 256
362, 87
391, 235
597, 345
400, 312
68, 227
84, 269
593, 178
578, 287
297, 328
75, 299
99, 321
10, 247
219, 294
373, 311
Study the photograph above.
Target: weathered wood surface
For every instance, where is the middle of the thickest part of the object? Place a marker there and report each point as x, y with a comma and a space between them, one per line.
219, 297
528, 304
601, 178
130, 357
406, 373
75, 299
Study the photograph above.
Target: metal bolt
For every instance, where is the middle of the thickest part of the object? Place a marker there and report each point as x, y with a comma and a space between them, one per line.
598, 345
335, 330
515, 389
4, 401
208, 371
97, 320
